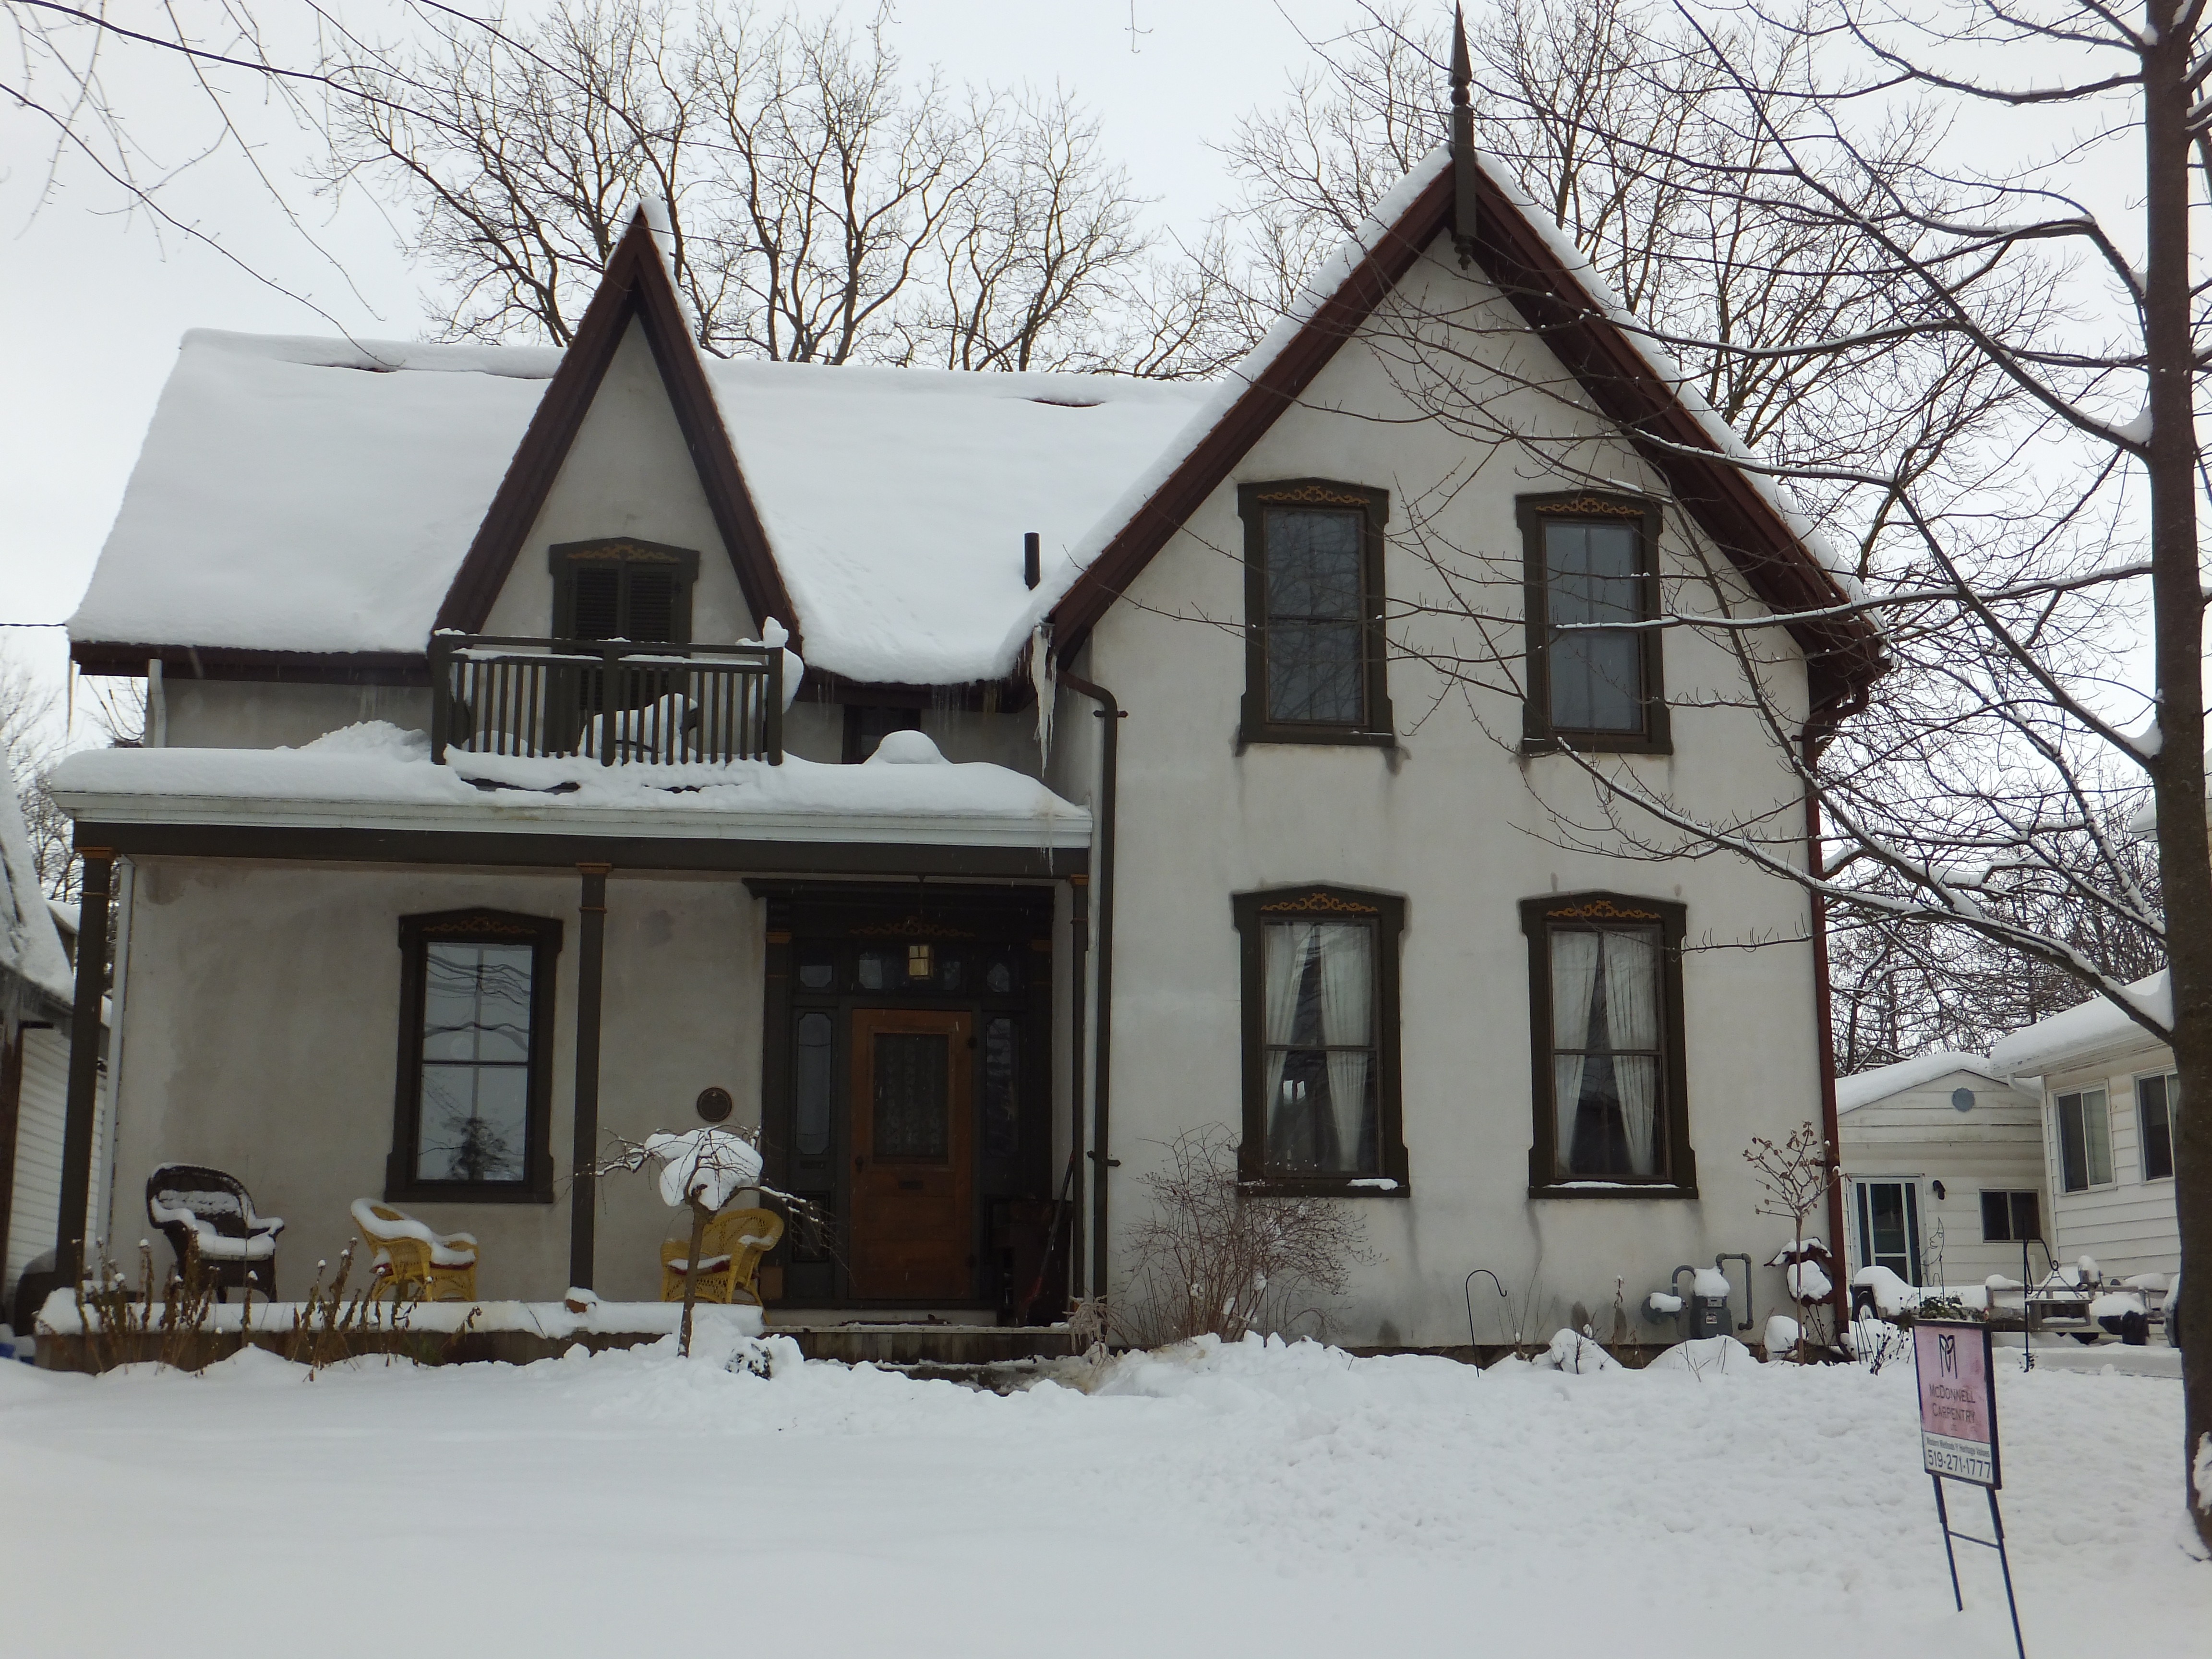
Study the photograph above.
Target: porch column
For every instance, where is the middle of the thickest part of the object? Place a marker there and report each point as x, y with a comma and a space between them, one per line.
84, 1065
581, 1216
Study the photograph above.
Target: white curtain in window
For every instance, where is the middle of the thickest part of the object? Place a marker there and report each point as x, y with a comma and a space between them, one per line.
1574, 984
1347, 1012
1287, 945
1631, 1017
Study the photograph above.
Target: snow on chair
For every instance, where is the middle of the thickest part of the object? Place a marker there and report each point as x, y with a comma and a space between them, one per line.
207, 1212
438, 1267
730, 1253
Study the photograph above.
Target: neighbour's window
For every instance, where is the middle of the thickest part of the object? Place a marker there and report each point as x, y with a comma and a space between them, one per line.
1320, 1058
1591, 573
623, 589
2155, 1097
2011, 1217
1606, 997
476, 1045
2085, 1141
1313, 588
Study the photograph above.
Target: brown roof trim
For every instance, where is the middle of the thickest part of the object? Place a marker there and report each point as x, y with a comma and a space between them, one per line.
635, 284
217, 662
1845, 654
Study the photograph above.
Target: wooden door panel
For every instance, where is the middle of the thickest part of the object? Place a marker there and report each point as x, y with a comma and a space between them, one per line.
913, 1189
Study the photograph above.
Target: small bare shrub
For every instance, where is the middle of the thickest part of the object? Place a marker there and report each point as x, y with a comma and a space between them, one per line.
1212, 1258
115, 1317
1795, 1176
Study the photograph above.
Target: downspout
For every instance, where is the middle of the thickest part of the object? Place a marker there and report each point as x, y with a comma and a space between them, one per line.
1831, 1129
1079, 893
1108, 760
84, 1064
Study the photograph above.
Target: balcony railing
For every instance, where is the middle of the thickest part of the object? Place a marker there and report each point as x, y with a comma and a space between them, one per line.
616, 702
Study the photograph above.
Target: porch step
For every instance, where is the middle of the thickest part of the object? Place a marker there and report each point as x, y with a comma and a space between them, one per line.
907, 1343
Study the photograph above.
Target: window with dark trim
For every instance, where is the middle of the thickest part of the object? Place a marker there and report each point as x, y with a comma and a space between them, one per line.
1321, 1109
2155, 1097
476, 1044
867, 724
1592, 573
2085, 1140
2011, 1217
623, 589
1314, 650
1605, 999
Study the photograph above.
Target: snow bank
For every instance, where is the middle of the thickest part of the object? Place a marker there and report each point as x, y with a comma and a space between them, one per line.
1707, 1355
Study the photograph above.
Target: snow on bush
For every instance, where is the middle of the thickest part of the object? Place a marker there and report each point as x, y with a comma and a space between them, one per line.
710, 1166
1807, 1283
1570, 1351
1706, 1354
1891, 1294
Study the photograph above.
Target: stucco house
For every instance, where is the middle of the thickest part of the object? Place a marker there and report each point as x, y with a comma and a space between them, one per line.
971, 782
1943, 1173
2107, 1095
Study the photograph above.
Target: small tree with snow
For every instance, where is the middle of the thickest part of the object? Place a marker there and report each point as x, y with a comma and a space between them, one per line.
1795, 1176
701, 1171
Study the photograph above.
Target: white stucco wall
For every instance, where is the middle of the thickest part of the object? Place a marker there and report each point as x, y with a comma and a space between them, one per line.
263, 1034
628, 473
260, 714
1460, 823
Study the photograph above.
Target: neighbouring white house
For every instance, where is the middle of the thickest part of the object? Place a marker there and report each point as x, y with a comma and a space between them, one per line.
971, 782
35, 1025
1943, 1173
2108, 1096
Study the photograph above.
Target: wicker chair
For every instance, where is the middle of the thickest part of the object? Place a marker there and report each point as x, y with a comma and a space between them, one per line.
205, 1210
412, 1260
730, 1253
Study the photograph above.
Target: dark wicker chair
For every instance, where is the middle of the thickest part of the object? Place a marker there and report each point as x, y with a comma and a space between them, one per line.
191, 1203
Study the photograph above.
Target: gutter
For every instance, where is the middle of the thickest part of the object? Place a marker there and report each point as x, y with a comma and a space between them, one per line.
1113, 714
1823, 1013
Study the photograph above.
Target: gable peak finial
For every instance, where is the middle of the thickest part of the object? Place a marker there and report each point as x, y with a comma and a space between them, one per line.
1463, 141
1462, 66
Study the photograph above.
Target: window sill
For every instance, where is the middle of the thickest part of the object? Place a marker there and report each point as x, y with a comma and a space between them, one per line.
1598, 743
1337, 737
455, 1194
1638, 1189
1323, 1187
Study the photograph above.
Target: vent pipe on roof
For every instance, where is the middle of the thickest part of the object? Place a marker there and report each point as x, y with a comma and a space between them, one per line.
1032, 561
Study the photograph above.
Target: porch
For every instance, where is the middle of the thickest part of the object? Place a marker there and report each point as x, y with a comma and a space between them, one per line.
863, 963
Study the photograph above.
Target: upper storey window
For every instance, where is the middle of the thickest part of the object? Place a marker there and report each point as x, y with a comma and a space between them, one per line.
623, 589
1313, 603
1592, 577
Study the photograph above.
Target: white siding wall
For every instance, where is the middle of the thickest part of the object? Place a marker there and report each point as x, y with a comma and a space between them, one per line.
2127, 1225
36, 1204
1917, 1135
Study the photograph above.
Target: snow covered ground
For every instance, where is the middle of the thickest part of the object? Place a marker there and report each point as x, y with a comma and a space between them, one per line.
1250, 1500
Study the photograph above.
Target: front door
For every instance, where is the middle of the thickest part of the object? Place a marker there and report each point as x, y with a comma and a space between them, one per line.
1889, 1227
913, 1173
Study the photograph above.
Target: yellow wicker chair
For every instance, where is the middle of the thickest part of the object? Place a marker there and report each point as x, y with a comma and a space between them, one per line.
730, 1254
410, 1260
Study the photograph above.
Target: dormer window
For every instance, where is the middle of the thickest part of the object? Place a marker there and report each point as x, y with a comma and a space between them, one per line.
623, 589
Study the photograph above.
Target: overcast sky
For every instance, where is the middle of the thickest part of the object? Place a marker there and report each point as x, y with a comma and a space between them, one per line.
94, 301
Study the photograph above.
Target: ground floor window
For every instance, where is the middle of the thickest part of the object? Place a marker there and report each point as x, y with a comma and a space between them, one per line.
2011, 1217
2154, 1102
1605, 995
2085, 1140
475, 1057
1321, 1053
1889, 1227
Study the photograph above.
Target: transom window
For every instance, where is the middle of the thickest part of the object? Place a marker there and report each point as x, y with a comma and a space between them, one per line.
1605, 996
2085, 1140
1313, 587
1594, 679
1321, 1016
2155, 1097
475, 1078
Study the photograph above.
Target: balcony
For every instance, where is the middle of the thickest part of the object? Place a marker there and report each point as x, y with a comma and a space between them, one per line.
618, 701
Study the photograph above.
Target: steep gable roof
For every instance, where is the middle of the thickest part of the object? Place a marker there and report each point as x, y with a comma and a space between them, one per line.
636, 286
1565, 303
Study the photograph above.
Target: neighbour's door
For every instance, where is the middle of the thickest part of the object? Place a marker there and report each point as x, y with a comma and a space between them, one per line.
912, 1170
1889, 1227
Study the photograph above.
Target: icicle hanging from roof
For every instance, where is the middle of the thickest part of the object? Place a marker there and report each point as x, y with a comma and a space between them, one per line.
1041, 677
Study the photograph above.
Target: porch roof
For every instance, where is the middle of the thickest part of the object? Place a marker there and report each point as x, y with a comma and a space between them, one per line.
371, 791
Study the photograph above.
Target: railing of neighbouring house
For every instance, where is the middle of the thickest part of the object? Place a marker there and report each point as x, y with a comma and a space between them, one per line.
616, 702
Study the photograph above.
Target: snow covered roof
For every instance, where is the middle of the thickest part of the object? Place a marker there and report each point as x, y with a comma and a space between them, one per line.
1862, 1088
2084, 1029
30, 948
319, 495
376, 776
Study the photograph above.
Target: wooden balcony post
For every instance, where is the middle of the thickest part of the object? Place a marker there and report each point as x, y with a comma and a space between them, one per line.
590, 961
83, 1105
